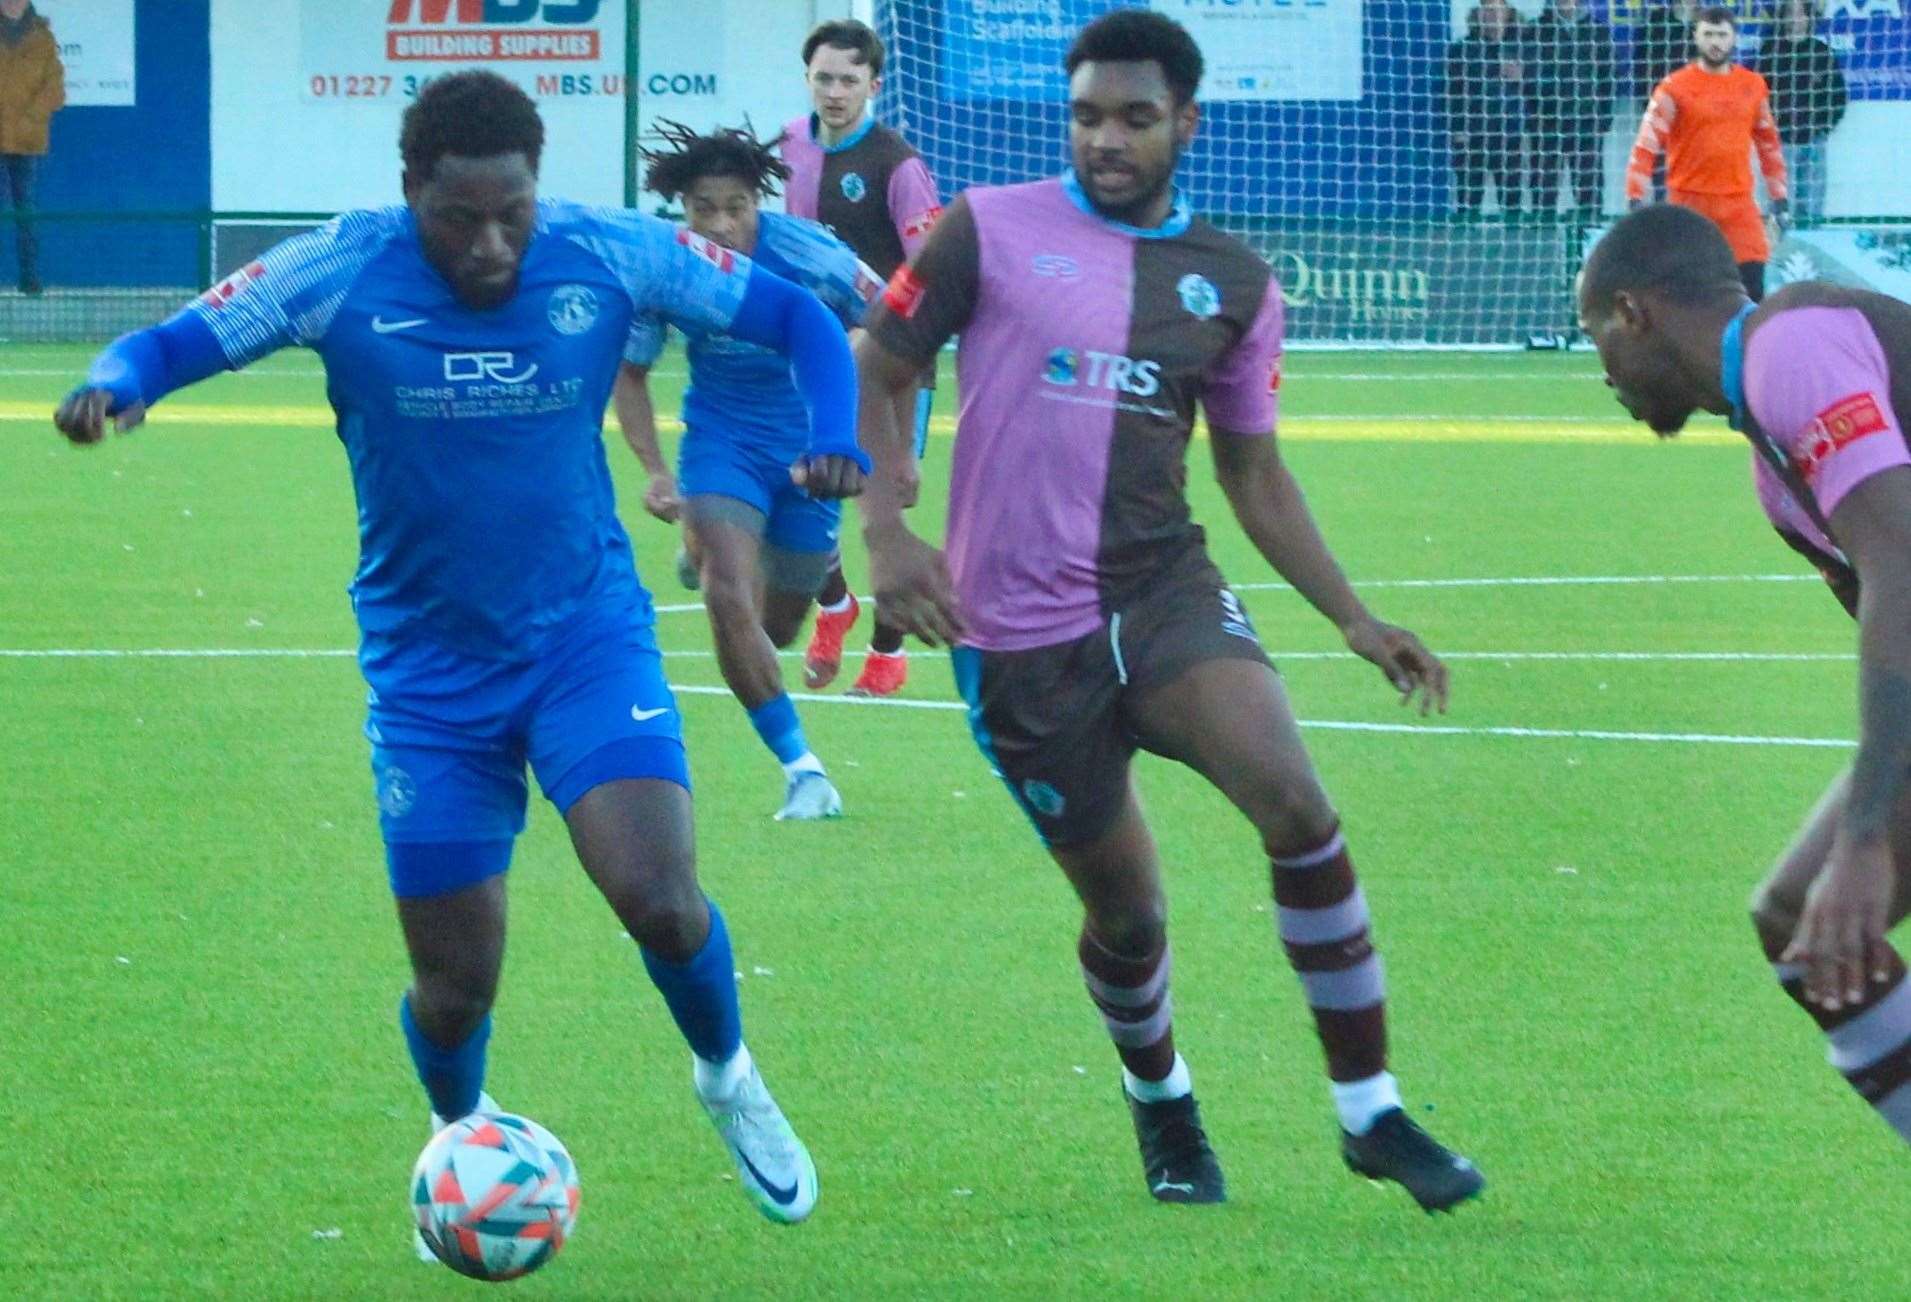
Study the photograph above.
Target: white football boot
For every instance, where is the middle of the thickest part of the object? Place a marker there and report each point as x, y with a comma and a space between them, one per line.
772, 1164
811, 796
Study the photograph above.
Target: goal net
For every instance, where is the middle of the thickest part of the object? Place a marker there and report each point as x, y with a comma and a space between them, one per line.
1404, 165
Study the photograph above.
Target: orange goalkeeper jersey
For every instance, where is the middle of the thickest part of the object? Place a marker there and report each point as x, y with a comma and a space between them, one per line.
1706, 124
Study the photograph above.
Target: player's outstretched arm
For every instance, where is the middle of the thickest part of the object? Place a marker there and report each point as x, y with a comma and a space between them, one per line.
1273, 512
637, 418
134, 372
912, 581
1840, 936
788, 318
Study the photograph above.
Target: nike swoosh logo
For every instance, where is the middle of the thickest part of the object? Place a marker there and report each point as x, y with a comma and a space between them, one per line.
380, 326
781, 1197
645, 716
1174, 1184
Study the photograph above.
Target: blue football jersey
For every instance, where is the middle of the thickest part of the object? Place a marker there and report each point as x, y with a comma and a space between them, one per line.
741, 390
485, 509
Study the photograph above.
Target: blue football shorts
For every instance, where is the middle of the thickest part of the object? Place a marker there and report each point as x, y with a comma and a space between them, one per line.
451, 735
717, 465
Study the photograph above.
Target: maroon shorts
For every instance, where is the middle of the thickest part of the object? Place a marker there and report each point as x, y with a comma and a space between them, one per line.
1053, 720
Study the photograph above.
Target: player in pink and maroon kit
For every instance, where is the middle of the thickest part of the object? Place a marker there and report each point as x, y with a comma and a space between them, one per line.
1818, 378
870, 187
1095, 314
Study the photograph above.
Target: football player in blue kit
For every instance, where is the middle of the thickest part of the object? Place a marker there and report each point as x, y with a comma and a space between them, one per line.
762, 545
470, 339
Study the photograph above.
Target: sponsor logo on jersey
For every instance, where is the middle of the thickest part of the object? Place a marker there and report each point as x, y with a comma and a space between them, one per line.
1837, 427
714, 254
903, 294
918, 226
234, 285
500, 366
1088, 368
573, 309
853, 187
1198, 295
1056, 265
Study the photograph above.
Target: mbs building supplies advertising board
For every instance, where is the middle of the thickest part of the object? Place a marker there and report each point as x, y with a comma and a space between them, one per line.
370, 50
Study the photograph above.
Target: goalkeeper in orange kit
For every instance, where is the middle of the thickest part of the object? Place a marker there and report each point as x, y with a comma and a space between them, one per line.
1706, 118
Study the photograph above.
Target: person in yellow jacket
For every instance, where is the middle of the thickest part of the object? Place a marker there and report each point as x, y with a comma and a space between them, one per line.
32, 90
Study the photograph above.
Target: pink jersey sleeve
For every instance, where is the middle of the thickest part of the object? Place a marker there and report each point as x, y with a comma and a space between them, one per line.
913, 203
1817, 380
1243, 389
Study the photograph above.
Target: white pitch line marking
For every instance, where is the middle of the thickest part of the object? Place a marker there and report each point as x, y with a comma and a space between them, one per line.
1514, 581
1561, 657
1323, 725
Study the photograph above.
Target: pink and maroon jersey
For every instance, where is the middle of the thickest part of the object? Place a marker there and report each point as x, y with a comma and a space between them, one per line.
1816, 372
873, 190
1086, 346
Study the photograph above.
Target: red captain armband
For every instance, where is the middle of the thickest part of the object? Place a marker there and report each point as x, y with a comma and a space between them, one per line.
715, 254
232, 286
1274, 376
903, 295
1839, 426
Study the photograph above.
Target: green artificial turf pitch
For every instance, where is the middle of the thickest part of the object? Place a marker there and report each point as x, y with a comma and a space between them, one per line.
205, 1092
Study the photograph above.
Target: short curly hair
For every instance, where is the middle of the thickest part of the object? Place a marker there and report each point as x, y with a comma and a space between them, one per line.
469, 115
687, 158
1665, 248
1141, 36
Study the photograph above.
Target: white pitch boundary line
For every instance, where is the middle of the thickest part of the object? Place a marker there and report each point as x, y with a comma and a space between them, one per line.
1533, 581
1560, 657
1323, 725
1421, 729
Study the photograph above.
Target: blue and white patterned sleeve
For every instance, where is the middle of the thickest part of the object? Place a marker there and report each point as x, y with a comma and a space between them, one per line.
645, 342
289, 296
668, 271
826, 266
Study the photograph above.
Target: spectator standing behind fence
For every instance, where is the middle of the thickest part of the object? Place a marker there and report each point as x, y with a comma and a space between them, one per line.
1485, 107
32, 90
1808, 101
1662, 43
1706, 118
1569, 91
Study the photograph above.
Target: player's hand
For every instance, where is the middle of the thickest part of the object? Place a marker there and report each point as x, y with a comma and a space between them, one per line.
661, 499
1410, 667
82, 417
828, 477
913, 587
1840, 936
1781, 215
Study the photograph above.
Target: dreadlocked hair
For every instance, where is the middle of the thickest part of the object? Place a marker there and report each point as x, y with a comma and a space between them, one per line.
685, 158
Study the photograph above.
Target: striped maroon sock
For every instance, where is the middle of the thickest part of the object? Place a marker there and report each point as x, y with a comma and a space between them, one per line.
1132, 996
1868, 1042
1323, 925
